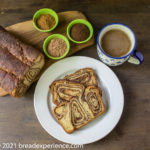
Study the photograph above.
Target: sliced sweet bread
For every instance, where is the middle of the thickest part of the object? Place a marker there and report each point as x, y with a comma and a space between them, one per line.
80, 110
72, 115
63, 90
62, 114
85, 76
93, 97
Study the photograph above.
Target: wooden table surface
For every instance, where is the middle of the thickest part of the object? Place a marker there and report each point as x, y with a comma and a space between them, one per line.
18, 122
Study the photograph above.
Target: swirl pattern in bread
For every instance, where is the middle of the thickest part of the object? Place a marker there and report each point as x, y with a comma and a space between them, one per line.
84, 76
63, 91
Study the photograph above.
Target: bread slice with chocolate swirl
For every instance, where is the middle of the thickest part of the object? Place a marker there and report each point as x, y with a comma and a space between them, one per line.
62, 114
63, 90
85, 76
93, 97
78, 99
80, 110
72, 115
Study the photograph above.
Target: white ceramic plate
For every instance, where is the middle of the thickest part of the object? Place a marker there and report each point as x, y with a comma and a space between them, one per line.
112, 96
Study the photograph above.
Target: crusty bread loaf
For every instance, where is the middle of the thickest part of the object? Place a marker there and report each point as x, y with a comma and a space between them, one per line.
19, 64
63, 90
80, 110
85, 76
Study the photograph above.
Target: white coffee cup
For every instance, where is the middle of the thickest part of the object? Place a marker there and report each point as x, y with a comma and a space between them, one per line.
133, 56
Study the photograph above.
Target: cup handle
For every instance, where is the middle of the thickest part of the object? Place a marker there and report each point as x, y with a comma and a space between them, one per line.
136, 58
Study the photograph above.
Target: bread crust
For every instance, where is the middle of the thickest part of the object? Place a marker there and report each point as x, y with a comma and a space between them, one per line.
24, 52
11, 64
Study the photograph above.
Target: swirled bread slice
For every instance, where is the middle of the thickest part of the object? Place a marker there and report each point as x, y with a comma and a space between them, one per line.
94, 99
63, 90
85, 76
62, 114
72, 115
80, 110
19, 64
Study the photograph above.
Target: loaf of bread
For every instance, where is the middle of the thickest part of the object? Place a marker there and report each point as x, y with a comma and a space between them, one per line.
19, 64
80, 110
86, 76
63, 90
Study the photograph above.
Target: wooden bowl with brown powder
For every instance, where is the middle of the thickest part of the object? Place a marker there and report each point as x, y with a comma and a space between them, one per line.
56, 46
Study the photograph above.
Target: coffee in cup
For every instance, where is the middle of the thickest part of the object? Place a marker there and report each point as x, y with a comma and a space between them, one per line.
115, 43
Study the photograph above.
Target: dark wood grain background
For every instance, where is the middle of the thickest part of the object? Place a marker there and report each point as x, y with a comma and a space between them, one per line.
18, 122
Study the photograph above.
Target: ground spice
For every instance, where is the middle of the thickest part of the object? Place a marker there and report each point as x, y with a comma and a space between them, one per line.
79, 32
45, 21
57, 47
